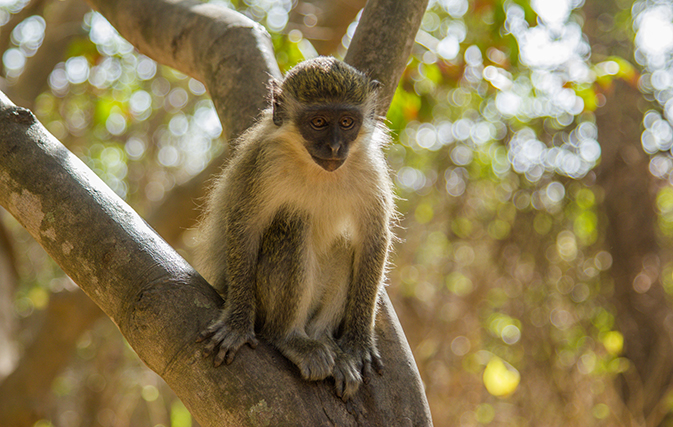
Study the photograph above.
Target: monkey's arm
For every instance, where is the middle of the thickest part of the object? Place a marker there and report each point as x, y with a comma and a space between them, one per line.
235, 326
359, 353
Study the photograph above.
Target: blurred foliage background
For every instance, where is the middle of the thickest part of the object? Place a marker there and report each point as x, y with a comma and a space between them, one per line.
532, 162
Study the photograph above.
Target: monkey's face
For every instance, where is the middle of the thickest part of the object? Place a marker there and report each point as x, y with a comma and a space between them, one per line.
328, 132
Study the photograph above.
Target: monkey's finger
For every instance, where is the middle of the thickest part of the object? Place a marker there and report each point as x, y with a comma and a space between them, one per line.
204, 334
208, 349
347, 378
215, 342
377, 364
340, 385
230, 356
367, 371
253, 342
220, 357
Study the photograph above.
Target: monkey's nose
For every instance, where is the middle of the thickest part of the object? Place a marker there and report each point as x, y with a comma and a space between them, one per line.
335, 146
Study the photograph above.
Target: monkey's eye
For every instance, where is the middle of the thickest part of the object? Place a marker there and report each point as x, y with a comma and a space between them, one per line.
346, 122
318, 123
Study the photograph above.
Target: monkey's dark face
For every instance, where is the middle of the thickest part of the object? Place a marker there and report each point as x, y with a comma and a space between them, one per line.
329, 132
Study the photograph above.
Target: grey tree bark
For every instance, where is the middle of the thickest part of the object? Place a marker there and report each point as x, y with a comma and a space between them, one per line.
324, 22
158, 301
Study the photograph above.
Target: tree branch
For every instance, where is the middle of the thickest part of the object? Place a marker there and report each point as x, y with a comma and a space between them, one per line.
383, 40
160, 303
324, 22
231, 54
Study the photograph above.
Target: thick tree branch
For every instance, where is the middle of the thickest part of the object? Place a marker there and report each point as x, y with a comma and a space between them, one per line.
68, 314
160, 303
231, 54
383, 40
324, 22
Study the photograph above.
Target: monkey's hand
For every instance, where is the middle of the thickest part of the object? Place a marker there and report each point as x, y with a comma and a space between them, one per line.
354, 365
225, 336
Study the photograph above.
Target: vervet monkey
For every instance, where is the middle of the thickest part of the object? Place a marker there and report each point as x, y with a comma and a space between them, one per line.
297, 227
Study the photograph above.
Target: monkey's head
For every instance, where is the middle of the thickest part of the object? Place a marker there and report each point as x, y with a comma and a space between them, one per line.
329, 102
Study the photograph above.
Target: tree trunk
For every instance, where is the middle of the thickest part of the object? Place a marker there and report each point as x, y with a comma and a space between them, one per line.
641, 304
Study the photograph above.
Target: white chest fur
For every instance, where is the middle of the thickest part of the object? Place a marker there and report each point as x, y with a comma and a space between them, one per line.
334, 204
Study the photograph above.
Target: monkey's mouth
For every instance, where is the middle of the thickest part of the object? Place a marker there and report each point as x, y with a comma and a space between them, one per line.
330, 165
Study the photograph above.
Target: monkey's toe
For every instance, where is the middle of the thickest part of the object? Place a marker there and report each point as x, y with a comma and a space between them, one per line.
372, 364
354, 366
347, 378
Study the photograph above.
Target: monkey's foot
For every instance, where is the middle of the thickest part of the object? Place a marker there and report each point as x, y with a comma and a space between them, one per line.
314, 359
354, 365
317, 365
224, 340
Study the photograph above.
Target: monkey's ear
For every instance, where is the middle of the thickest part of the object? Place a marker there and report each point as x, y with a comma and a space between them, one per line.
274, 87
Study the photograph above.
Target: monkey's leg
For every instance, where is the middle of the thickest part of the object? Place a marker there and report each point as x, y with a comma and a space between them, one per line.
359, 355
286, 289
